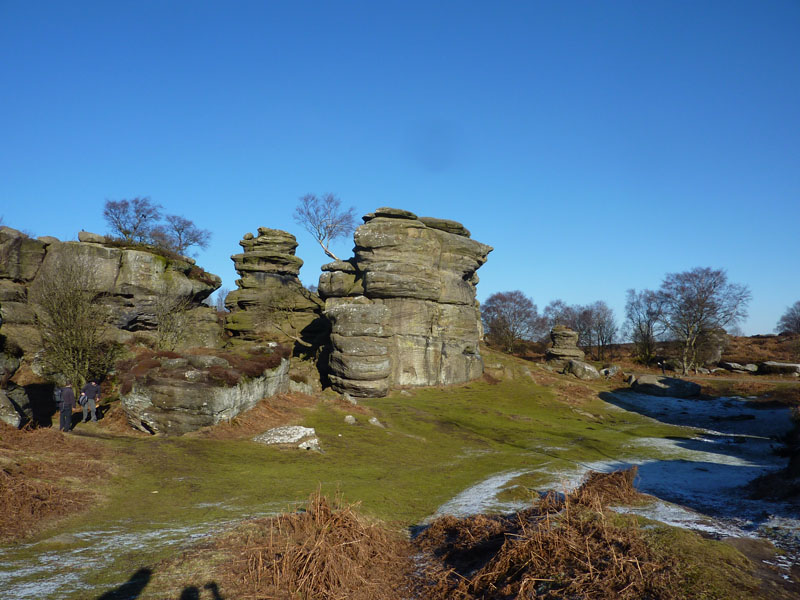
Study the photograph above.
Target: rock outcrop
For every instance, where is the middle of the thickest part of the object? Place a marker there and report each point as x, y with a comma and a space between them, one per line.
564, 348
132, 282
270, 300
402, 311
184, 395
772, 367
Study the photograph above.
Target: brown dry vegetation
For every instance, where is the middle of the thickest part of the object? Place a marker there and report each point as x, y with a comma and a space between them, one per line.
326, 551
145, 365
560, 548
44, 475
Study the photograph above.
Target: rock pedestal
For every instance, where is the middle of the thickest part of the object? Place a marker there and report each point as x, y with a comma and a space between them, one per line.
565, 347
270, 300
402, 310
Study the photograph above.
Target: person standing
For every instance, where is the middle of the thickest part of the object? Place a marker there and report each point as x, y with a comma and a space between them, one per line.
90, 394
67, 403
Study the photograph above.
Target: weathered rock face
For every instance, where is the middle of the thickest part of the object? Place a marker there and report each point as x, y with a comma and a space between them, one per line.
778, 368
132, 282
15, 407
176, 406
565, 347
270, 300
403, 310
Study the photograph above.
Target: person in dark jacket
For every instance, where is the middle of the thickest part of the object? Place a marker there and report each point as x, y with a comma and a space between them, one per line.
67, 404
90, 394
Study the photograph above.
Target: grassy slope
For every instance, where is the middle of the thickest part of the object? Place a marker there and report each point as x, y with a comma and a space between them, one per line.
436, 443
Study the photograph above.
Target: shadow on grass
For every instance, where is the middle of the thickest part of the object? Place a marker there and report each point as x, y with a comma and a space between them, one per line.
133, 588
733, 443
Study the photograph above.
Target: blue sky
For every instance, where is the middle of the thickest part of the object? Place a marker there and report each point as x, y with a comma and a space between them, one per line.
596, 145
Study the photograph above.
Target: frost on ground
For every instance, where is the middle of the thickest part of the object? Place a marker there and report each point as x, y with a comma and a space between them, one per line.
56, 573
698, 479
480, 498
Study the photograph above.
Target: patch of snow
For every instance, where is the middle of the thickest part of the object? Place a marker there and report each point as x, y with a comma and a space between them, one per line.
481, 497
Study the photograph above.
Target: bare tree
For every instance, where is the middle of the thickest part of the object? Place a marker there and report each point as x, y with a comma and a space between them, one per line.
182, 234
277, 313
643, 324
790, 321
697, 302
603, 327
72, 322
510, 317
172, 316
133, 220
219, 299
324, 218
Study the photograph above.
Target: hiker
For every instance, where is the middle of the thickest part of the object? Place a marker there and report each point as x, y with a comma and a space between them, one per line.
90, 394
65, 398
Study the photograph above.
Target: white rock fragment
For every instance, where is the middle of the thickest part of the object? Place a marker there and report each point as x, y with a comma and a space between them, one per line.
288, 434
312, 444
350, 420
374, 421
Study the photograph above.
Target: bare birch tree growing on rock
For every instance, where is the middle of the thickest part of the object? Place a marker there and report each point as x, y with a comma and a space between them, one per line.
324, 218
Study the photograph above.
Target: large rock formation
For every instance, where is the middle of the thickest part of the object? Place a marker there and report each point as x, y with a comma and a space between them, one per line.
270, 300
184, 394
403, 309
133, 283
564, 348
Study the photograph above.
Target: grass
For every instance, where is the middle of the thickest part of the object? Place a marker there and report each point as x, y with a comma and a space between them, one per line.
570, 547
435, 444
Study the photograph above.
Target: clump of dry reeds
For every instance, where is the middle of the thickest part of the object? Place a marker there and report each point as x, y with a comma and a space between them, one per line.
324, 552
564, 547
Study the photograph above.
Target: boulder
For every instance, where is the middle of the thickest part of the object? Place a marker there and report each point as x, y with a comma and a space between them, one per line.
609, 372
15, 406
8, 412
8, 366
564, 347
402, 311
176, 406
731, 366
20, 256
778, 368
93, 238
655, 385
304, 438
581, 370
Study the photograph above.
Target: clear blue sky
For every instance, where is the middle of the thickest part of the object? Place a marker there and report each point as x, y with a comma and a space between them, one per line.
596, 145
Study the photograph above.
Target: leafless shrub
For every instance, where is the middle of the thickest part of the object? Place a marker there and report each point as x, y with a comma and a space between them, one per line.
72, 321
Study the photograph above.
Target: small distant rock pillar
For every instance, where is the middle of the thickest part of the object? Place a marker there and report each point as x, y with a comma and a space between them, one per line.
565, 347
